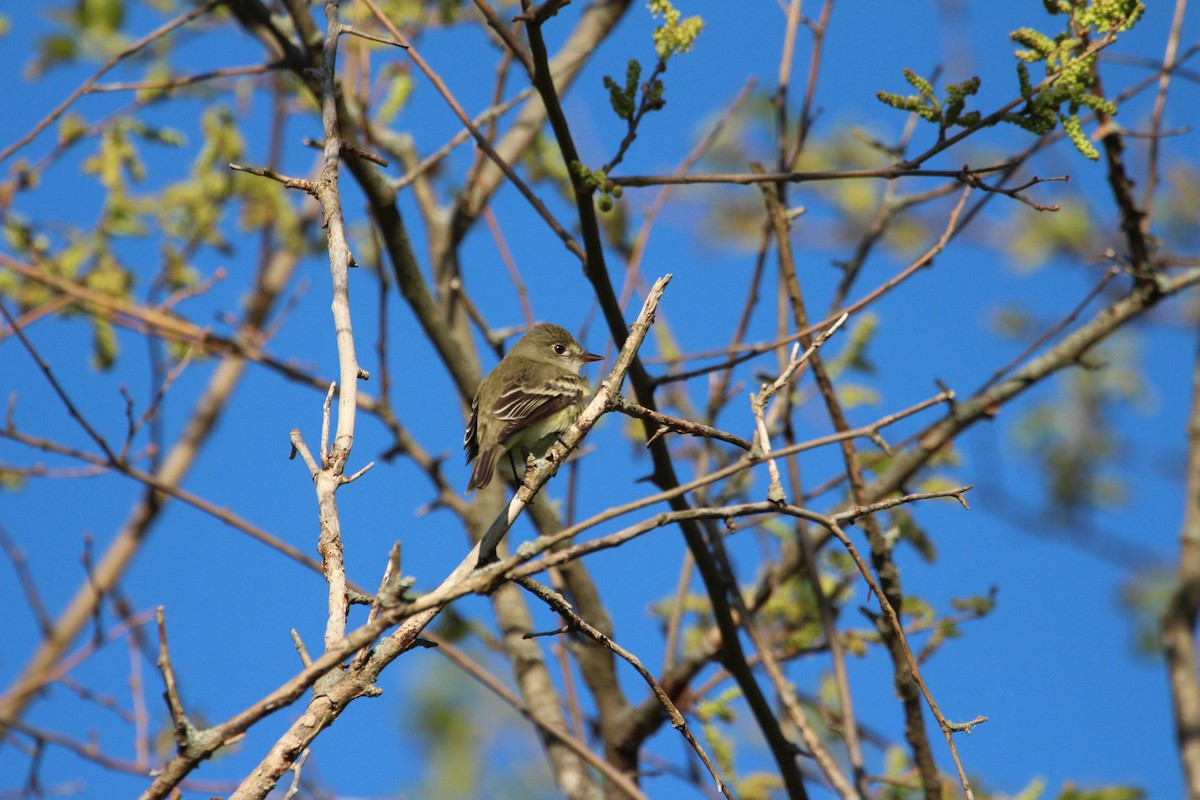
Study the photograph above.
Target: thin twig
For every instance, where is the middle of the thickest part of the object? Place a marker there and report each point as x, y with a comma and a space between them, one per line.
183, 80
577, 743
741, 465
759, 403
1156, 116
560, 605
182, 728
752, 178
72, 409
676, 424
341, 687
437, 156
921, 261
1054, 329
754, 509
83, 88
440, 85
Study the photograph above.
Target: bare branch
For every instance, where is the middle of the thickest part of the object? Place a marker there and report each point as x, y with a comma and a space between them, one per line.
560, 605
181, 726
82, 89
1183, 608
751, 178
72, 409
341, 688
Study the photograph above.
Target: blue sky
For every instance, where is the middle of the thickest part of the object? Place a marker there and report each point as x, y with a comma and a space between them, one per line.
1054, 667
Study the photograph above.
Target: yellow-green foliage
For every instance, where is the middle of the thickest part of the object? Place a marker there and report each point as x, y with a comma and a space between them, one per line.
675, 35
1068, 57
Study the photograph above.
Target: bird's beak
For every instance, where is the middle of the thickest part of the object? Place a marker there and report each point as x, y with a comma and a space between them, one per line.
590, 357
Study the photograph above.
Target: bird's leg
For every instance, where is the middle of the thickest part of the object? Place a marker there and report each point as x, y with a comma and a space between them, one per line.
513, 464
525, 454
532, 461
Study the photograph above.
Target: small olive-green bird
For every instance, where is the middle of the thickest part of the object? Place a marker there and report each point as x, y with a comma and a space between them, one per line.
532, 396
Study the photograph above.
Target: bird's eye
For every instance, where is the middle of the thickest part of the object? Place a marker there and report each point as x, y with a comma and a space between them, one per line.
560, 349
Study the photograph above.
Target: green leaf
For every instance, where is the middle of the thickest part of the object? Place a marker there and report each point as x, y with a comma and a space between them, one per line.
720, 706
400, 90
101, 17
624, 98
1144, 599
759, 786
53, 50
177, 273
104, 344
71, 127
854, 395
977, 603
1069, 792
1033, 791
11, 480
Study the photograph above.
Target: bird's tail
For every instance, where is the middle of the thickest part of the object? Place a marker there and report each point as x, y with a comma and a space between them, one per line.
481, 473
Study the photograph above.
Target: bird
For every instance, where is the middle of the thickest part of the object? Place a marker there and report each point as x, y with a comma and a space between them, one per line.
531, 397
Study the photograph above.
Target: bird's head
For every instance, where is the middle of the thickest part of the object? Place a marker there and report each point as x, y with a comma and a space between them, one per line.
553, 344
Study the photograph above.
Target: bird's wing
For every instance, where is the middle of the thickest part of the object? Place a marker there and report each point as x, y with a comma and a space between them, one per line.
522, 404
471, 437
